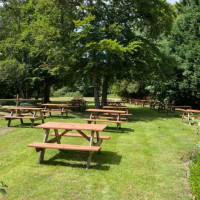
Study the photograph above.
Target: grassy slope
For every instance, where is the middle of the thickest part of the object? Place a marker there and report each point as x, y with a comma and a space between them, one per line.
143, 161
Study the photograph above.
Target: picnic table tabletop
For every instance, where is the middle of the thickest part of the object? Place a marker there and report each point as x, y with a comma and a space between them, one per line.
179, 106
72, 126
191, 111
24, 108
106, 111
117, 107
54, 104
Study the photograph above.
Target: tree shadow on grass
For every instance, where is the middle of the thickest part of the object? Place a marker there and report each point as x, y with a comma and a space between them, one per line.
24, 125
59, 117
101, 160
146, 115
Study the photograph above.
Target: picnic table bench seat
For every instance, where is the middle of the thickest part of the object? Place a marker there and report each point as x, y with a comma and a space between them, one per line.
21, 117
102, 137
125, 114
107, 121
55, 110
102, 120
39, 145
104, 117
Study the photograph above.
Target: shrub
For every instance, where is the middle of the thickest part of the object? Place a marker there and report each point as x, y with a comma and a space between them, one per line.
2, 188
7, 103
60, 92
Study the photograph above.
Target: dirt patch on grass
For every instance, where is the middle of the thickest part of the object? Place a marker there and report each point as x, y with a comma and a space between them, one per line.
4, 129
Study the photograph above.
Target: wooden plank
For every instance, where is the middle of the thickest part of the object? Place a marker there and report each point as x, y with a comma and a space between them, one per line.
117, 107
64, 146
103, 117
55, 105
104, 111
103, 137
24, 117
56, 110
25, 108
72, 126
191, 111
99, 120
126, 114
19, 117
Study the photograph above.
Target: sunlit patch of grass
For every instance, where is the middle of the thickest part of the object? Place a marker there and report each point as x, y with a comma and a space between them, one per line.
141, 161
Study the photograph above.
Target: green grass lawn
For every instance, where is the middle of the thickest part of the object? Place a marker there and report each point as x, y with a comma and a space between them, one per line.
142, 161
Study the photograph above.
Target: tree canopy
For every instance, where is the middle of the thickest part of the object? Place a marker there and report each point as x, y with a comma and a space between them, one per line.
71, 42
183, 45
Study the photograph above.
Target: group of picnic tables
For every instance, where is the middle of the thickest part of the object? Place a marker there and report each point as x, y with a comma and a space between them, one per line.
190, 115
109, 114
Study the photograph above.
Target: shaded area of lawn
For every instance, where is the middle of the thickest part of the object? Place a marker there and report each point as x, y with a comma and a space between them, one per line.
141, 161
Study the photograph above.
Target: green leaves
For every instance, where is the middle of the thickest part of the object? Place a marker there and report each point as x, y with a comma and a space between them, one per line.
2, 190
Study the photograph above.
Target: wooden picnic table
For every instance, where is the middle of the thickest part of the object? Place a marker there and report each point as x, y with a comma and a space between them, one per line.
93, 138
172, 109
189, 115
117, 108
113, 114
50, 107
25, 113
143, 102
126, 108
115, 103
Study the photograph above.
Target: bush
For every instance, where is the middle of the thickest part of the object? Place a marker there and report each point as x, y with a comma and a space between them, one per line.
2, 188
26, 104
7, 103
195, 172
65, 92
60, 92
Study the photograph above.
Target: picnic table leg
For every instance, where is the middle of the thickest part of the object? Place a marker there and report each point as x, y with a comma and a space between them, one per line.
21, 121
92, 138
32, 123
99, 141
183, 116
43, 150
9, 122
117, 127
88, 160
189, 119
127, 113
57, 136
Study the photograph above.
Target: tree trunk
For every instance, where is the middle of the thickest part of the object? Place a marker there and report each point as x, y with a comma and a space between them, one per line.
104, 91
96, 89
46, 93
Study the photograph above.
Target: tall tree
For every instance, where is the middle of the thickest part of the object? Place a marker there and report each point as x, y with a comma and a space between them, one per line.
184, 45
33, 35
108, 35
